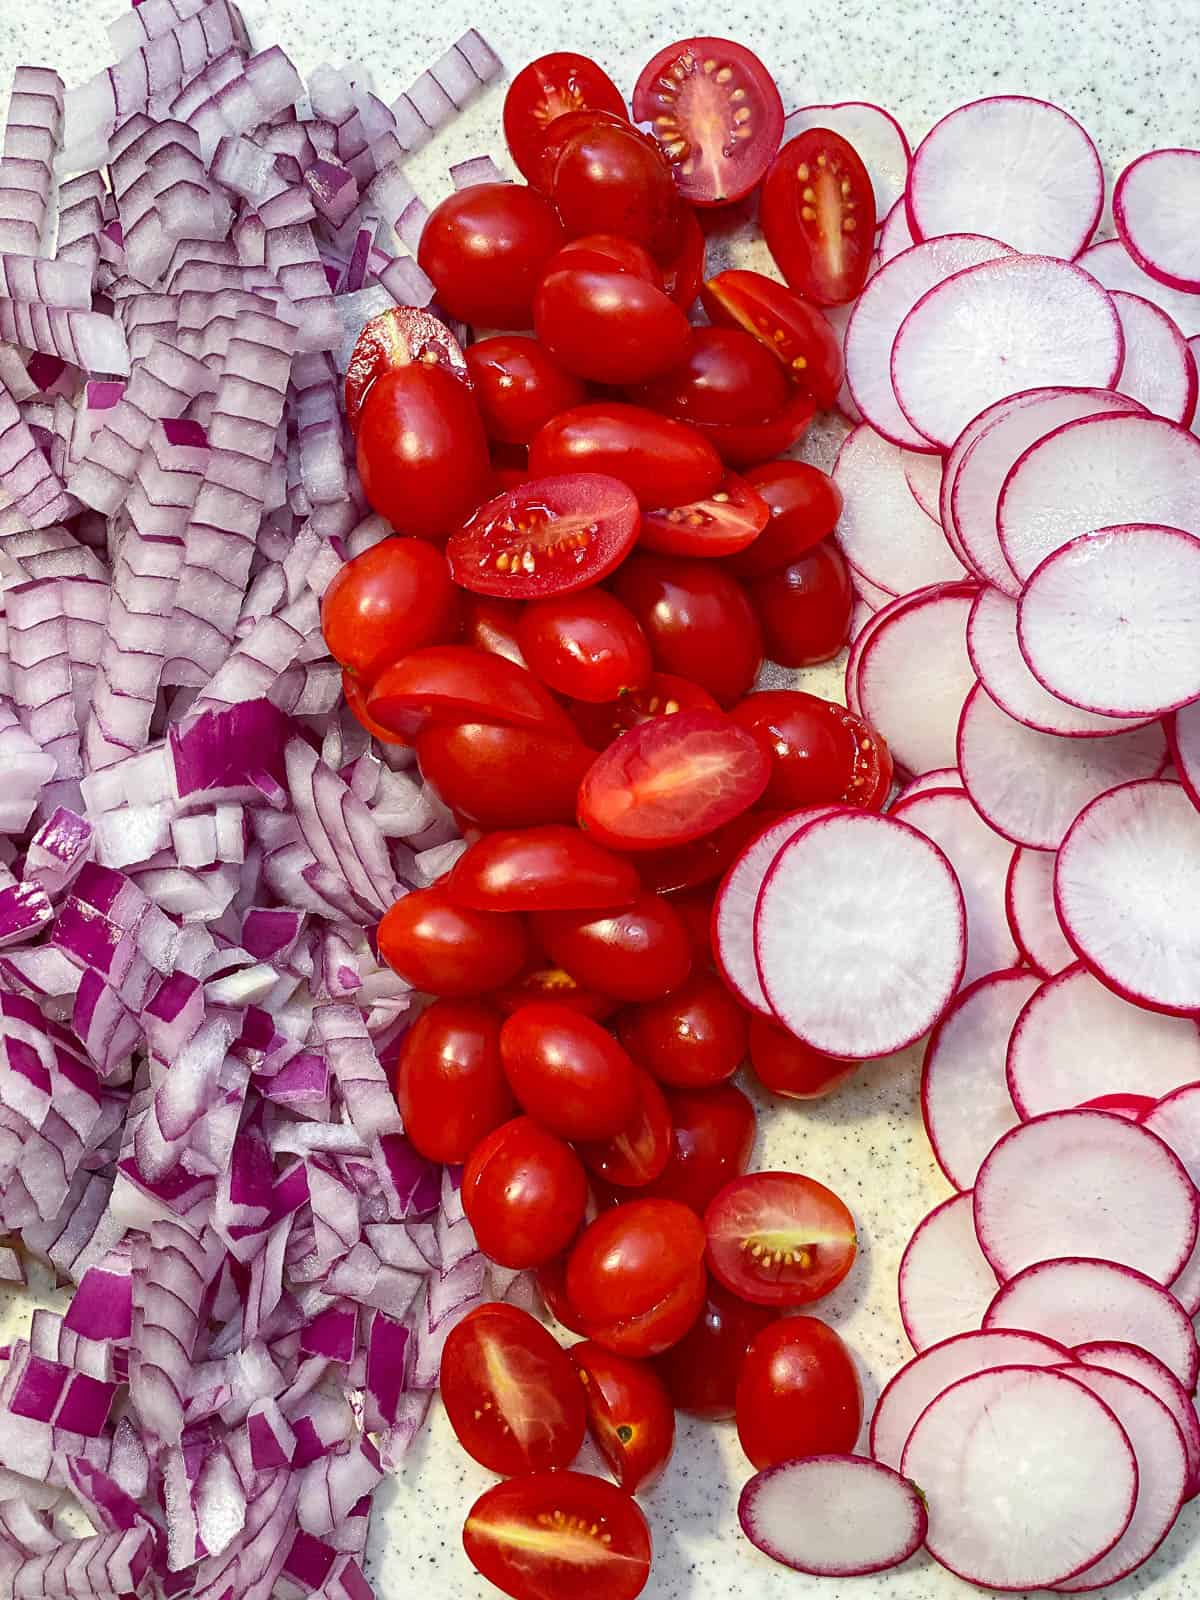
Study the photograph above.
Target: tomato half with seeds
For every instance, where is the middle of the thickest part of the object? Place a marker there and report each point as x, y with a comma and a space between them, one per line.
519, 386
541, 869
610, 178
724, 522
789, 1067
395, 597
636, 1276
799, 1393
701, 1372
663, 461
568, 1072
552, 535
698, 620
817, 212
449, 1081
804, 609
525, 1193
551, 87
394, 339
821, 753
485, 248
724, 376
779, 1238
481, 770
636, 953
629, 1414
457, 683
559, 1536
715, 110
448, 949
511, 1393
607, 325
692, 1039
663, 696
640, 1151
795, 333
713, 1135
804, 505
586, 645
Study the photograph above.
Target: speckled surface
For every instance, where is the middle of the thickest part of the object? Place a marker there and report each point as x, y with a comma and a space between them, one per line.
1128, 70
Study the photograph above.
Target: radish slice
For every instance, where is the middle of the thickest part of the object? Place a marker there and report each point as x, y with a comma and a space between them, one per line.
853, 660
1176, 1119
1077, 1301
993, 330
1159, 369
1149, 1371
1110, 263
1075, 1182
860, 934
833, 1516
945, 1283
870, 593
877, 137
1021, 170
1078, 479
882, 530
1184, 733
964, 1092
1111, 621
1031, 786
923, 474
914, 676
1155, 205
895, 235
860, 614
940, 779
1029, 900
882, 308
1127, 884
1076, 1041
1028, 1476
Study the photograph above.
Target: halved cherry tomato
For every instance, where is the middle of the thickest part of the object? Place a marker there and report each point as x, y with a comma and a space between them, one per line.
746, 444
608, 325
482, 772
490, 624
699, 622
553, 86
799, 1393
684, 866
726, 521
701, 1372
636, 1276
568, 1072
779, 1238
510, 1392
684, 273
519, 386
588, 646
559, 135
724, 376
636, 953
456, 683
692, 1039
541, 869
794, 332
805, 608
663, 461
609, 178
553, 535
608, 252
789, 1067
395, 597
637, 1154
663, 696
355, 693
713, 1135
485, 248
524, 1192
821, 754
804, 505
817, 213
559, 1536
672, 780
450, 1084
542, 980
447, 949
715, 110
629, 1414
394, 339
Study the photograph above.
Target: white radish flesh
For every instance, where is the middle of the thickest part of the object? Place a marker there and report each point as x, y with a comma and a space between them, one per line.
890, 608
941, 778
924, 477
882, 530
1029, 899
1111, 264
914, 676
878, 138
895, 234
870, 593
1155, 205
1149, 1371
1184, 729
1176, 1119
833, 1516
1159, 369
945, 1283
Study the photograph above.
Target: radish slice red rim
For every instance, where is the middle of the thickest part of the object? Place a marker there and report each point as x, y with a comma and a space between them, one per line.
1176, 1120
1155, 202
945, 1284
878, 138
1184, 737
895, 235
1110, 263
923, 474
944, 780
890, 608
883, 532
1029, 899
1159, 369
914, 675
833, 1516
1149, 1371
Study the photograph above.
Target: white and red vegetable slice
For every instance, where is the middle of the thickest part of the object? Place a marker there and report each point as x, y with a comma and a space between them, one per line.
1149, 1371
833, 1516
1184, 735
880, 141
941, 779
1153, 203
882, 530
914, 675
945, 1283
1110, 263
1031, 915
923, 474
1159, 370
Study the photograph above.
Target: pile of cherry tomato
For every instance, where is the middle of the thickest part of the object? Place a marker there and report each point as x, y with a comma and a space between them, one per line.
567, 629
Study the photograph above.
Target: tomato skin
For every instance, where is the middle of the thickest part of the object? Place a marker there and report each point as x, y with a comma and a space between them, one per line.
608, 326
518, 386
663, 461
544, 981
525, 1193
482, 772
824, 248
638, 1153
610, 178
779, 1238
500, 1368
747, 444
630, 1415
787, 1066
692, 1039
534, 1511
540, 869
552, 1286
725, 376
446, 949
450, 1084
700, 861
694, 907
804, 505
489, 623
684, 273
799, 1393
701, 1372
795, 333
354, 691
821, 754
551, 87
567, 1072
588, 646
394, 339
805, 608
699, 622
422, 453
636, 1277
663, 696
729, 520
485, 247
713, 1136
636, 953
559, 135
395, 597
453, 683
608, 252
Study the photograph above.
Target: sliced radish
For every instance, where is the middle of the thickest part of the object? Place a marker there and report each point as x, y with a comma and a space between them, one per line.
876, 136
1076, 1041
1031, 786
1078, 1301
869, 592
1184, 733
860, 934
1148, 1370
833, 1516
1029, 900
1085, 1182
923, 475
945, 1283
914, 676
1176, 1119
1159, 369
882, 530
860, 614
993, 330
1082, 477
1155, 204
1019, 169
882, 309
940, 779
1127, 885
964, 1092
892, 608
1111, 264
895, 234
1028, 1476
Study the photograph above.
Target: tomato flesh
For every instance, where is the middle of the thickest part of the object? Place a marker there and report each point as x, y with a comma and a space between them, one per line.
588, 646
798, 1394
691, 1039
541, 869
482, 772
795, 333
568, 1072
636, 1276
804, 505
525, 1193
394, 339
726, 521
485, 248
447, 949
629, 1414
701, 1372
395, 597
639, 1151
551, 87
817, 213
456, 683
663, 696
779, 1238
821, 754
789, 1067
805, 608
450, 1084
519, 386
662, 460
491, 624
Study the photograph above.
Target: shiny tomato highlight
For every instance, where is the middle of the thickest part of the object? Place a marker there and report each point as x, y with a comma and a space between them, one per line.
524, 1192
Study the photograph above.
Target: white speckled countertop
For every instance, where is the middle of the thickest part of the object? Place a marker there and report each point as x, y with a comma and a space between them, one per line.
1128, 70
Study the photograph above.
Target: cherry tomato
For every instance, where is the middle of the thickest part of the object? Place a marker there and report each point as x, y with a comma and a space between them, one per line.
637, 1154
698, 620
694, 907
568, 1072
746, 444
671, 780
552, 535
524, 1192
821, 754
789, 1067
728, 520
552, 1286
636, 1276
559, 135
540, 869
663, 696
805, 608
518, 386
491, 624
587, 645
799, 1393
559, 1536
608, 325
684, 273
794, 332
779, 1238
701, 1372
609, 178
395, 597
394, 339
448, 949
511, 1393
355, 692
724, 376
549, 88
485, 248
450, 1084
422, 453
456, 683
663, 461
636, 953
544, 981
804, 505
684, 866
608, 252
629, 1414
817, 213
485, 773
713, 1135
691, 1039
715, 110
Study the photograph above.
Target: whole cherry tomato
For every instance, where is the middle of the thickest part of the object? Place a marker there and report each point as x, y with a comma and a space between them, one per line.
607, 325
779, 1238
713, 1135
636, 953
490, 623
553, 86
456, 683
663, 461
524, 1192
663, 696
725, 375
795, 333
746, 444
541, 869
395, 597
450, 1084
608, 252
568, 1072
817, 213
789, 1067
586, 645
798, 1394
699, 622
728, 520
484, 773
804, 505
821, 754
610, 178
636, 1276
559, 134
448, 949
519, 386
805, 608
691, 1039
542, 980
485, 248
629, 1414
639, 1152
394, 338
701, 1372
